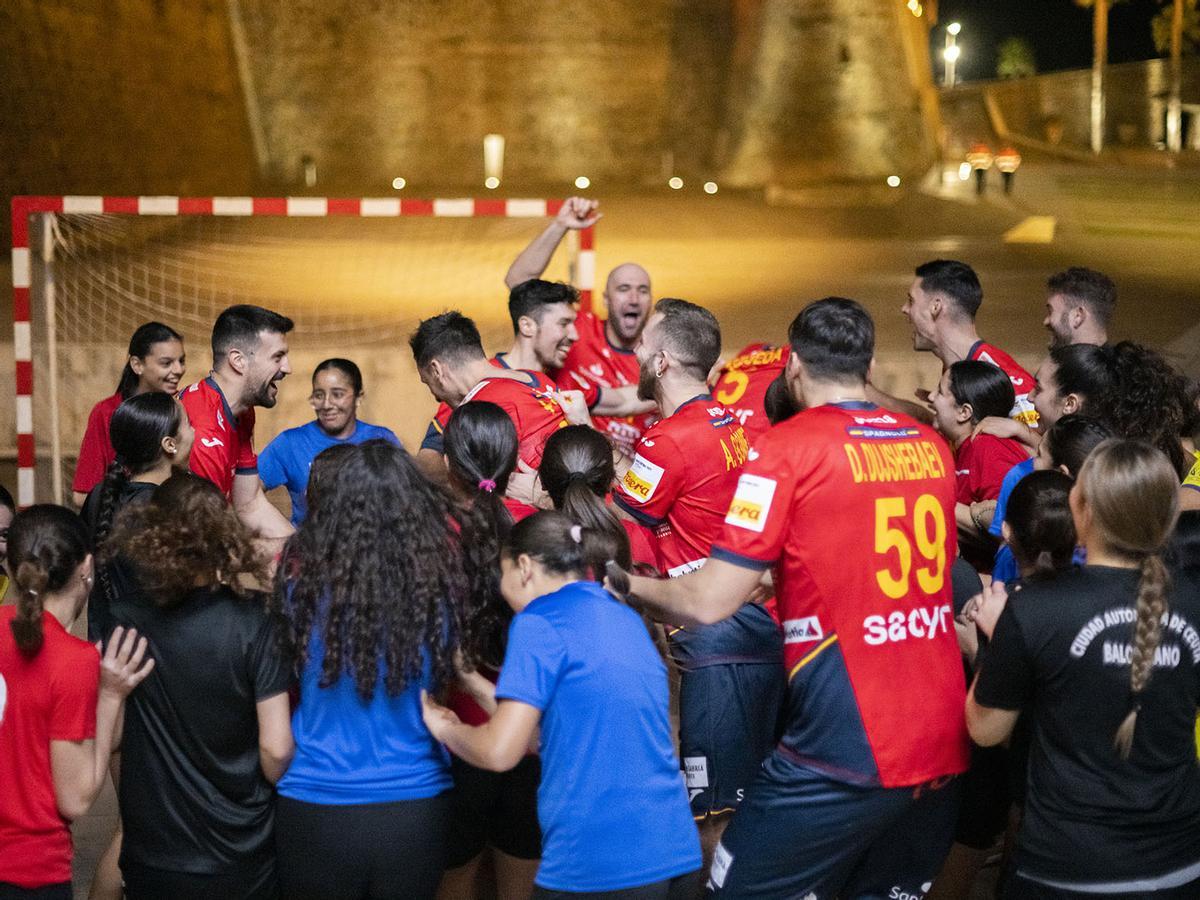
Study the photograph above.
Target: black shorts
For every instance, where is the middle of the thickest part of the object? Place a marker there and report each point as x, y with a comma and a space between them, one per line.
362, 850
681, 887
986, 798
799, 833
496, 808
730, 693
145, 883
1019, 888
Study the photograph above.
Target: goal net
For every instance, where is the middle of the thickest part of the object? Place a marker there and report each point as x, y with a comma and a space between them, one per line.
355, 275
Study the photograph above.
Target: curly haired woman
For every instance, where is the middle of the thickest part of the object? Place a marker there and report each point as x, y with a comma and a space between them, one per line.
374, 591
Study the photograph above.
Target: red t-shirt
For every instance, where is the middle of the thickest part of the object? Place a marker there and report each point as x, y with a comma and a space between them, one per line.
853, 506
743, 385
96, 452
594, 360
643, 549
530, 404
224, 446
51, 697
682, 478
980, 465
1022, 381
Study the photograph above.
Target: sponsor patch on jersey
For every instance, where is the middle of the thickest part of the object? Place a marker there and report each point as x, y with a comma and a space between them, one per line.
751, 502
642, 479
802, 631
877, 434
695, 771
1193, 476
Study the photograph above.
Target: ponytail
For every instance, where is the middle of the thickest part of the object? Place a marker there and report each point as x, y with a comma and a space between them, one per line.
30, 579
46, 545
1147, 632
603, 537
116, 479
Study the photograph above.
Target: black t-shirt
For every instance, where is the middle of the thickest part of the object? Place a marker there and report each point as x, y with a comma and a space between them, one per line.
1061, 651
193, 797
119, 572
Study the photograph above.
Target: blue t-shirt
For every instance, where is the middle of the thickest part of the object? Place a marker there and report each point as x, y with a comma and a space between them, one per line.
286, 460
1015, 474
612, 802
351, 751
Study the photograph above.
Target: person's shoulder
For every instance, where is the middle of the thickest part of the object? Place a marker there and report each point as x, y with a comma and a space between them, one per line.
198, 399
290, 436
378, 432
106, 407
249, 608
65, 650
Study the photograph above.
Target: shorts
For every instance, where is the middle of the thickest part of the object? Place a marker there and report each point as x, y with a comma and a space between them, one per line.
146, 883
496, 808
1019, 888
986, 798
681, 887
730, 696
799, 833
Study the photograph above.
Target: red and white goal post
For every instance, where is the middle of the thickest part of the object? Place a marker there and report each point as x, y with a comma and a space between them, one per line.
354, 273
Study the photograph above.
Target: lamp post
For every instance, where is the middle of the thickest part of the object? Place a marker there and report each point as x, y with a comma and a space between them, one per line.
951, 53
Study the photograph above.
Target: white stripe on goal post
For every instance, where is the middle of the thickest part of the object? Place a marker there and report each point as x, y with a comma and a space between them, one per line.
91, 205
157, 206
454, 208
20, 267
307, 206
233, 206
379, 206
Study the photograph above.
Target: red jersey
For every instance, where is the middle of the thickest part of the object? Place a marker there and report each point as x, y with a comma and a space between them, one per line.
682, 478
224, 445
1022, 381
531, 406
96, 453
743, 384
594, 360
853, 506
437, 425
51, 697
980, 465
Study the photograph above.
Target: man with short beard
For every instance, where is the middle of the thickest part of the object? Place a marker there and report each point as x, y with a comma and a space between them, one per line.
680, 484
250, 358
1079, 306
603, 355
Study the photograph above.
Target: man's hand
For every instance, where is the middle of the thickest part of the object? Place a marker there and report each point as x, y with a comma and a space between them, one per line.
524, 486
578, 213
574, 407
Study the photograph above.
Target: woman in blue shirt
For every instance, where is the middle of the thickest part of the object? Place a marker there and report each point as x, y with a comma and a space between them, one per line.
337, 389
612, 803
372, 591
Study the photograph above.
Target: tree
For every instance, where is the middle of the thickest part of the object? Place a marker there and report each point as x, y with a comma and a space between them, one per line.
1099, 64
1015, 59
1172, 27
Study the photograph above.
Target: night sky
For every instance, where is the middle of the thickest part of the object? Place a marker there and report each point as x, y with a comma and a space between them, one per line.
1060, 31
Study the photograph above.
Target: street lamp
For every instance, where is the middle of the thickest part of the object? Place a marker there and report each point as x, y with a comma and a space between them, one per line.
952, 52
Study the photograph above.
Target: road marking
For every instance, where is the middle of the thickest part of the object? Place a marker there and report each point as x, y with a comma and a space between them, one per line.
1033, 230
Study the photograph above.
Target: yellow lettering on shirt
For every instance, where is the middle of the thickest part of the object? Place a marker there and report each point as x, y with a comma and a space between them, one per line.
878, 462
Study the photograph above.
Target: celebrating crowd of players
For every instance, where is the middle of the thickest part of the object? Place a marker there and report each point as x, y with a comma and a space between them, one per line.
895, 630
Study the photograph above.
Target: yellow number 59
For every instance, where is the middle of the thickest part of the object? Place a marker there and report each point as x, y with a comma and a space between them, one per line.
929, 531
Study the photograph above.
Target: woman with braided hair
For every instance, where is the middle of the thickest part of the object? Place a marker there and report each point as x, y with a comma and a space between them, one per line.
1106, 659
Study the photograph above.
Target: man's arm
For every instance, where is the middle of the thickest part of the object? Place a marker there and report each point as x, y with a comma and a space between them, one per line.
622, 401
576, 214
712, 593
256, 511
895, 404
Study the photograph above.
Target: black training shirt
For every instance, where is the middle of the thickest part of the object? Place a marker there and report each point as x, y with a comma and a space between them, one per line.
193, 797
1061, 651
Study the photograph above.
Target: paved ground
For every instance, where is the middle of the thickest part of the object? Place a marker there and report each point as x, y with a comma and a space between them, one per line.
756, 264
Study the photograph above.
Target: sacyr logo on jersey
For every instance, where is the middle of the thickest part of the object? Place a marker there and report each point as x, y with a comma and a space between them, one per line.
922, 622
899, 893
212, 442
751, 502
716, 411
883, 419
642, 479
802, 631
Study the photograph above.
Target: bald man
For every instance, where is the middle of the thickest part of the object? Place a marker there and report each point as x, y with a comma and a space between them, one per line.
603, 355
